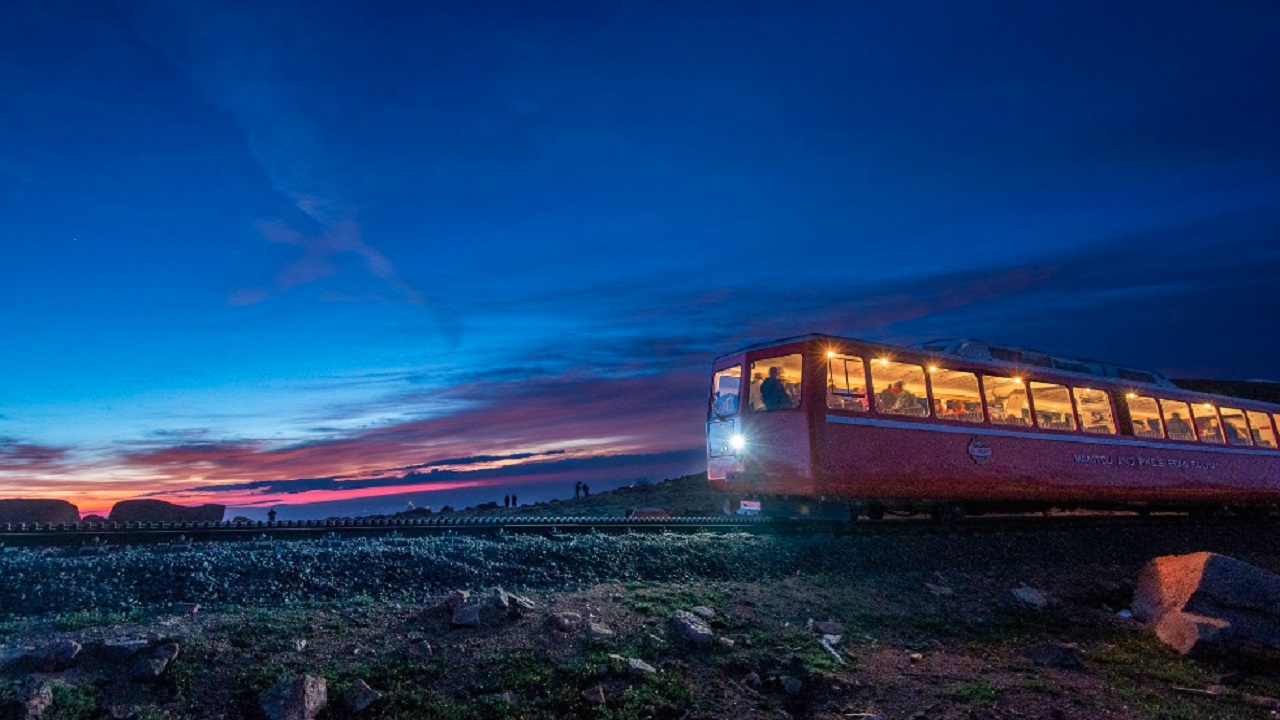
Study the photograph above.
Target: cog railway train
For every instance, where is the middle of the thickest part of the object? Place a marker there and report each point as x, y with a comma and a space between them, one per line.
963, 427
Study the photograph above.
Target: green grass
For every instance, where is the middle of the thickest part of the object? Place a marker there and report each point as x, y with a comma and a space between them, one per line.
82, 619
73, 703
974, 692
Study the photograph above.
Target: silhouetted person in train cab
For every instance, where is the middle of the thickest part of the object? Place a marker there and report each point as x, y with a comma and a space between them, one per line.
1179, 429
773, 392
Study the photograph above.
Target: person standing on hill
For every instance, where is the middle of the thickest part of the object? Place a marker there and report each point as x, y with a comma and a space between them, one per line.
586, 490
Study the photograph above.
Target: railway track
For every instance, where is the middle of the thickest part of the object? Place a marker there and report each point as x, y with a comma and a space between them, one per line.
103, 535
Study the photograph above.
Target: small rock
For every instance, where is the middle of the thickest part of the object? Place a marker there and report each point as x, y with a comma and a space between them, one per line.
727, 642
826, 627
519, 605
1057, 655
295, 698
637, 667
466, 616
599, 631
453, 601
299, 645
832, 640
791, 685
595, 695
151, 663
34, 699
566, 622
360, 696
752, 680
704, 612
120, 650
692, 628
182, 608
939, 590
58, 655
500, 600
916, 657
1031, 597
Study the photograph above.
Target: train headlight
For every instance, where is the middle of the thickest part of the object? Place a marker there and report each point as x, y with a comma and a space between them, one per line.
737, 441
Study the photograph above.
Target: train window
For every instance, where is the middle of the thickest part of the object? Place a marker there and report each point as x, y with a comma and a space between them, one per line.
1177, 421
1261, 431
1006, 400
1237, 427
775, 383
1095, 411
1053, 406
900, 388
1206, 418
1145, 412
847, 383
725, 388
955, 395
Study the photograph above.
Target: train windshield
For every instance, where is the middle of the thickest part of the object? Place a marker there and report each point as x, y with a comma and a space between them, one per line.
846, 383
725, 389
775, 383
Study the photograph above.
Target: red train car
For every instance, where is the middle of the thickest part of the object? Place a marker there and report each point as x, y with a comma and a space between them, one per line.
955, 427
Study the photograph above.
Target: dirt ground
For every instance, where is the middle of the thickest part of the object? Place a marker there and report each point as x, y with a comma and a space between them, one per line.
927, 628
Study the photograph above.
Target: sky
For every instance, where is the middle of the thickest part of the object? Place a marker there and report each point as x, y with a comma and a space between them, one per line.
303, 254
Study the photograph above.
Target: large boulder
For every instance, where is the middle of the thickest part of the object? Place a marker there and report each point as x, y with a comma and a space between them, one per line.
1204, 602
127, 511
38, 511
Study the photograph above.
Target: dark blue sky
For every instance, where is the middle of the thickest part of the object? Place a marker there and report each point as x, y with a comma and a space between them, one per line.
321, 239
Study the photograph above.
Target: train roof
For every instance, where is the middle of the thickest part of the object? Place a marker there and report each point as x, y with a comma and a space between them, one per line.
1022, 359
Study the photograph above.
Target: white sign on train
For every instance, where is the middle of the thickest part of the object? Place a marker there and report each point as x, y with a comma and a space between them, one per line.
1127, 461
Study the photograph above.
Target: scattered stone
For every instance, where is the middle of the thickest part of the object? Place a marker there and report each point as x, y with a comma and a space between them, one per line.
566, 622
637, 667
692, 628
1204, 602
831, 650
1057, 655
58, 655
150, 663
299, 645
704, 612
939, 590
599, 631
500, 600
466, 616
832, 640
520, 605
791, 685
453, 601
360, 696
595, 695
727, 642
752, 680
826, 627
301, 697
119, 650
184, 608
1031, 597
34, 699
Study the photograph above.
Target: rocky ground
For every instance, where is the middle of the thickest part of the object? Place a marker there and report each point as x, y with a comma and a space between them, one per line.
1028, 625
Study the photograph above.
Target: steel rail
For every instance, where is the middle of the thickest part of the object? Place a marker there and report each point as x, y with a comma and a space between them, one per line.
100, 536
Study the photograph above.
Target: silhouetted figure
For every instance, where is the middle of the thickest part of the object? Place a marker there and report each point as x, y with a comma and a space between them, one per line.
577, 490
586, 490
513, 500
271, 515
773, 392
506, 501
